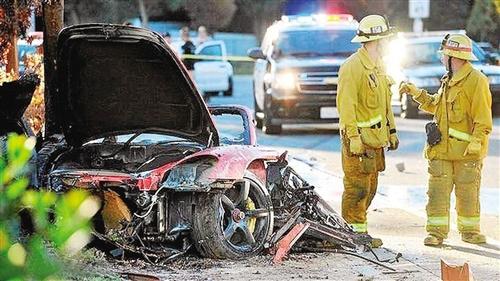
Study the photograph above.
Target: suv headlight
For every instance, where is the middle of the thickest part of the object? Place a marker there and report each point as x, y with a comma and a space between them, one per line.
190, 174
426, 82
285, 80
494, 79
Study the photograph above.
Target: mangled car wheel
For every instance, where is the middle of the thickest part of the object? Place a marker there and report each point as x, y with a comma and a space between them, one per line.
233, 223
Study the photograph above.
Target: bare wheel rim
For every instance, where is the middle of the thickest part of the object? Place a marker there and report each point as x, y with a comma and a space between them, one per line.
245, 216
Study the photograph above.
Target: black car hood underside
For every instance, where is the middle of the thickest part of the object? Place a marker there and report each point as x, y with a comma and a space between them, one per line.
114, 79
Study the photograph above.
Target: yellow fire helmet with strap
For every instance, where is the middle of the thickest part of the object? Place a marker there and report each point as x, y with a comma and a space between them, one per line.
457, 46
373, 27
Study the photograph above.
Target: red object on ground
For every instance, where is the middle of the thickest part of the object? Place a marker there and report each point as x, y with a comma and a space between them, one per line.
456, 272
285, 244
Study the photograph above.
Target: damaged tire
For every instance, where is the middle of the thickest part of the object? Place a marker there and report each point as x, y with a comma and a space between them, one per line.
233, 223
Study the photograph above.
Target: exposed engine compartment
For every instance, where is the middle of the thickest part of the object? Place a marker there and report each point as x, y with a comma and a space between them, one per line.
124, 157
154, 223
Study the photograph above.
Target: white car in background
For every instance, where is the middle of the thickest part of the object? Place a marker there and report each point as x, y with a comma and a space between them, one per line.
211, 75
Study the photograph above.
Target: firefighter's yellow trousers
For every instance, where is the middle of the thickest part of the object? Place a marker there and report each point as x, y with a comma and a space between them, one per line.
465, 177
360, 184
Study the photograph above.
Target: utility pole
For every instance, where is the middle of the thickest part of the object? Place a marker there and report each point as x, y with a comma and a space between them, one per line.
53, 22
418, 10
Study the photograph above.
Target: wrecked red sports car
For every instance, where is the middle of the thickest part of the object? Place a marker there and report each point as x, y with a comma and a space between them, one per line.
124, 121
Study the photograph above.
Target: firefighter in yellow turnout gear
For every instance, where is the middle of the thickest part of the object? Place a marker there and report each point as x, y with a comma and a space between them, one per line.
366, 120
462, 112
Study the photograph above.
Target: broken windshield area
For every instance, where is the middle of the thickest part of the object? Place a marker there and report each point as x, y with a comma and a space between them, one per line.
231, 129
141, 138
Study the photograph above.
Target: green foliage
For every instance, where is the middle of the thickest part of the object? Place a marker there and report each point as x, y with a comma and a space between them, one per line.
483, 23
68, 231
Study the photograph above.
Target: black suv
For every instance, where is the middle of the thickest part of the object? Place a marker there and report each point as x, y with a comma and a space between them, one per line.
296, 70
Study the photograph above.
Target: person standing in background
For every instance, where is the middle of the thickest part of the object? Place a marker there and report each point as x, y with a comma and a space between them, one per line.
167, 37
187, 48
203, 35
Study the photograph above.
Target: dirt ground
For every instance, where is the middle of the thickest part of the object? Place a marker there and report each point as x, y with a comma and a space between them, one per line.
298, 266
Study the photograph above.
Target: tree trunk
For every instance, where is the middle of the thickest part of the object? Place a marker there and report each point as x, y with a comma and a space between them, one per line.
12, 66
53, 21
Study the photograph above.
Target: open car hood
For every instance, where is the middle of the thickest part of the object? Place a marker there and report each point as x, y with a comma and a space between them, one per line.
114, 79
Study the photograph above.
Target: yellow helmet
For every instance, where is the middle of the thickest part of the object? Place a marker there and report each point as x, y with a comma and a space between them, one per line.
457, 46
373, 27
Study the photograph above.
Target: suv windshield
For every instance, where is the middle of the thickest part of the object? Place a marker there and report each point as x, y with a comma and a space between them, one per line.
320, 42
427, 53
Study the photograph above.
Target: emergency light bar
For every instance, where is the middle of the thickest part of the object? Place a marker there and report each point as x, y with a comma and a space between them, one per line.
319, 18
333, 18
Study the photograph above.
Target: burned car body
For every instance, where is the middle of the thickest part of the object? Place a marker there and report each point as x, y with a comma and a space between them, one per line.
129, 125
126, 123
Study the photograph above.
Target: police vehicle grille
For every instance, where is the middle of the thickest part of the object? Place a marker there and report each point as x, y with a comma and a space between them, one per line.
318, 82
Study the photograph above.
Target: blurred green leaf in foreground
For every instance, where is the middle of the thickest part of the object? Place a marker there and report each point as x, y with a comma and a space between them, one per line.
61, 222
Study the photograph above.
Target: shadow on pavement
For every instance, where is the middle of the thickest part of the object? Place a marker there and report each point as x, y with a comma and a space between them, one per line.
474, 251
489, 246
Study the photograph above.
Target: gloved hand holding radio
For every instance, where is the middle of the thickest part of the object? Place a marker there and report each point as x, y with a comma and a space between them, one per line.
356, 145
409, 88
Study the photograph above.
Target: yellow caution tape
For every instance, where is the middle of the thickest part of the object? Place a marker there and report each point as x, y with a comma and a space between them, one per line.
207, 57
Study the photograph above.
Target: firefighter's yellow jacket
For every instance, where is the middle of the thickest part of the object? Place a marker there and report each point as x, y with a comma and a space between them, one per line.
364, 100
462, 110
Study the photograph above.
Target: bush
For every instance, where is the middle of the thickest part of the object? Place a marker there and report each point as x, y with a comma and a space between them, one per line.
61, 222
